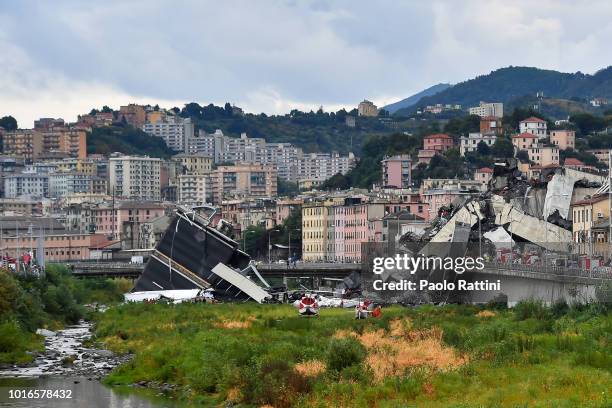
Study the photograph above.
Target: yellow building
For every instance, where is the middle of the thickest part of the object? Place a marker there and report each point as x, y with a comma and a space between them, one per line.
585, 215
315, 218
83, 166
194, 163
156, 116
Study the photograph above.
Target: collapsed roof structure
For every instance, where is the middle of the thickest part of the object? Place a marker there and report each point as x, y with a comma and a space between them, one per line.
192, 254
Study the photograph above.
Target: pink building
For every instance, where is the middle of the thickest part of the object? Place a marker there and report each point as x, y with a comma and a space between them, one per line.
110, 221
440, 142
352, 226
397, 171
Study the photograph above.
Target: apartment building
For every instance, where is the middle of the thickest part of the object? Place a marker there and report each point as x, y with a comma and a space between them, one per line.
397, 171
535, 126
587, 214
484, 109
108, 219
524, 141
172, 130
195, 189
64, 183
491, 125
470, 142
135, 177
290, 161
543, 155
23, 143
132, 114
69, 141
335, 230
32, 185
321, 166
193, 163
439, 142
87, 166
244, 180
563, 139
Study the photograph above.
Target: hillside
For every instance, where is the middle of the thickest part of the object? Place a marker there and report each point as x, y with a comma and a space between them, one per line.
506, 84
312, 131
411, 100
125, 139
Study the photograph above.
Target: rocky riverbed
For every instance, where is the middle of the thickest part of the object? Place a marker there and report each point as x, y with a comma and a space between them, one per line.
65, 355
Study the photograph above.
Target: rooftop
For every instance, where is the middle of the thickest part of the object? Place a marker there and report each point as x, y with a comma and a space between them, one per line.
532, 119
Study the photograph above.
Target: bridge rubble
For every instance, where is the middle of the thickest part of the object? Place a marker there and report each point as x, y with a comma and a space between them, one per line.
193, 254
534, 211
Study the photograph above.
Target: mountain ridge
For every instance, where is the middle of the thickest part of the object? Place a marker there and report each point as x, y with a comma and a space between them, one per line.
506, 84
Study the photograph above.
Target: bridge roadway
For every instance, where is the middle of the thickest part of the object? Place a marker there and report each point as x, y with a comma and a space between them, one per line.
341, 270
309, 270
518, 282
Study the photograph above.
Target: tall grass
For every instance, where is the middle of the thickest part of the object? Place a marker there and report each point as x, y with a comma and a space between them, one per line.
257, 355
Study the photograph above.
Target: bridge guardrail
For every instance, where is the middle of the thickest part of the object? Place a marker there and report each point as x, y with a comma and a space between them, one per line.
553, 270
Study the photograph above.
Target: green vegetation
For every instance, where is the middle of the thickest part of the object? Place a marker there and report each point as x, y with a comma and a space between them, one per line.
256, 238
8, 123
125, 139
28, 303
451, 356
313, 131
506, 84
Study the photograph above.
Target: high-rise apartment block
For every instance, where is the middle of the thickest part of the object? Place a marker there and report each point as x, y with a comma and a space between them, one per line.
135, 177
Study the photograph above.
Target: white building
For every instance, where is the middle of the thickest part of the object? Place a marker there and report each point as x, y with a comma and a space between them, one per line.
195, 189
488, 109
173, 131
533, 125
470, 142
62, 184
30, 185
290, 161
135, 177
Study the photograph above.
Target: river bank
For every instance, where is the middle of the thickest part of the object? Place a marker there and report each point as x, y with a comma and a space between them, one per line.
73, 371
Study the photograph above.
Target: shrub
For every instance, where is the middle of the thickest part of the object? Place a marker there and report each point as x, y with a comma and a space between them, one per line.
531, 309
342, 353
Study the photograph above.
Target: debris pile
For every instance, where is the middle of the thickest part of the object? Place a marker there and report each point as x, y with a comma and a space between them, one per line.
195, 257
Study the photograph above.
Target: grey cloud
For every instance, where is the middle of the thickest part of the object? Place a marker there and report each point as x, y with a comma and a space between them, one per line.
316, 52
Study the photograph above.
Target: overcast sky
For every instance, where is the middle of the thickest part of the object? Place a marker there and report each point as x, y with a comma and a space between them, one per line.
61, 58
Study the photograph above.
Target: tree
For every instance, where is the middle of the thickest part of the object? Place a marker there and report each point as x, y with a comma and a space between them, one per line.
9, 123
483, 149
286, 188
587, 123
106, 109
523, 156
502, 148
336, 182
